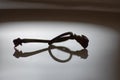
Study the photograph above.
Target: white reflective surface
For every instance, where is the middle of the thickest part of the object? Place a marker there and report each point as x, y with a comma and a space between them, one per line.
101, 63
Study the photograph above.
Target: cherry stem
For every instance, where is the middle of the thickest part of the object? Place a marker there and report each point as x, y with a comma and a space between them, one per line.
82, 40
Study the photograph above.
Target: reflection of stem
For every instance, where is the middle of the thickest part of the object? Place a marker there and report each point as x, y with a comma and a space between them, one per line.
18, 53
57, 59
82, 53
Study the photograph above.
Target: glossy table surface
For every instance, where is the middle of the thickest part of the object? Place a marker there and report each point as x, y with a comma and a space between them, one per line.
33, 61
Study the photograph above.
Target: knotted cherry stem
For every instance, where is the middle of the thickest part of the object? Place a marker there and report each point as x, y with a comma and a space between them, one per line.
19, 41
82, 40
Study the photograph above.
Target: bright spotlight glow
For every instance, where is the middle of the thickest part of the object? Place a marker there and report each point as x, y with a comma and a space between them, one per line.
99, 65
